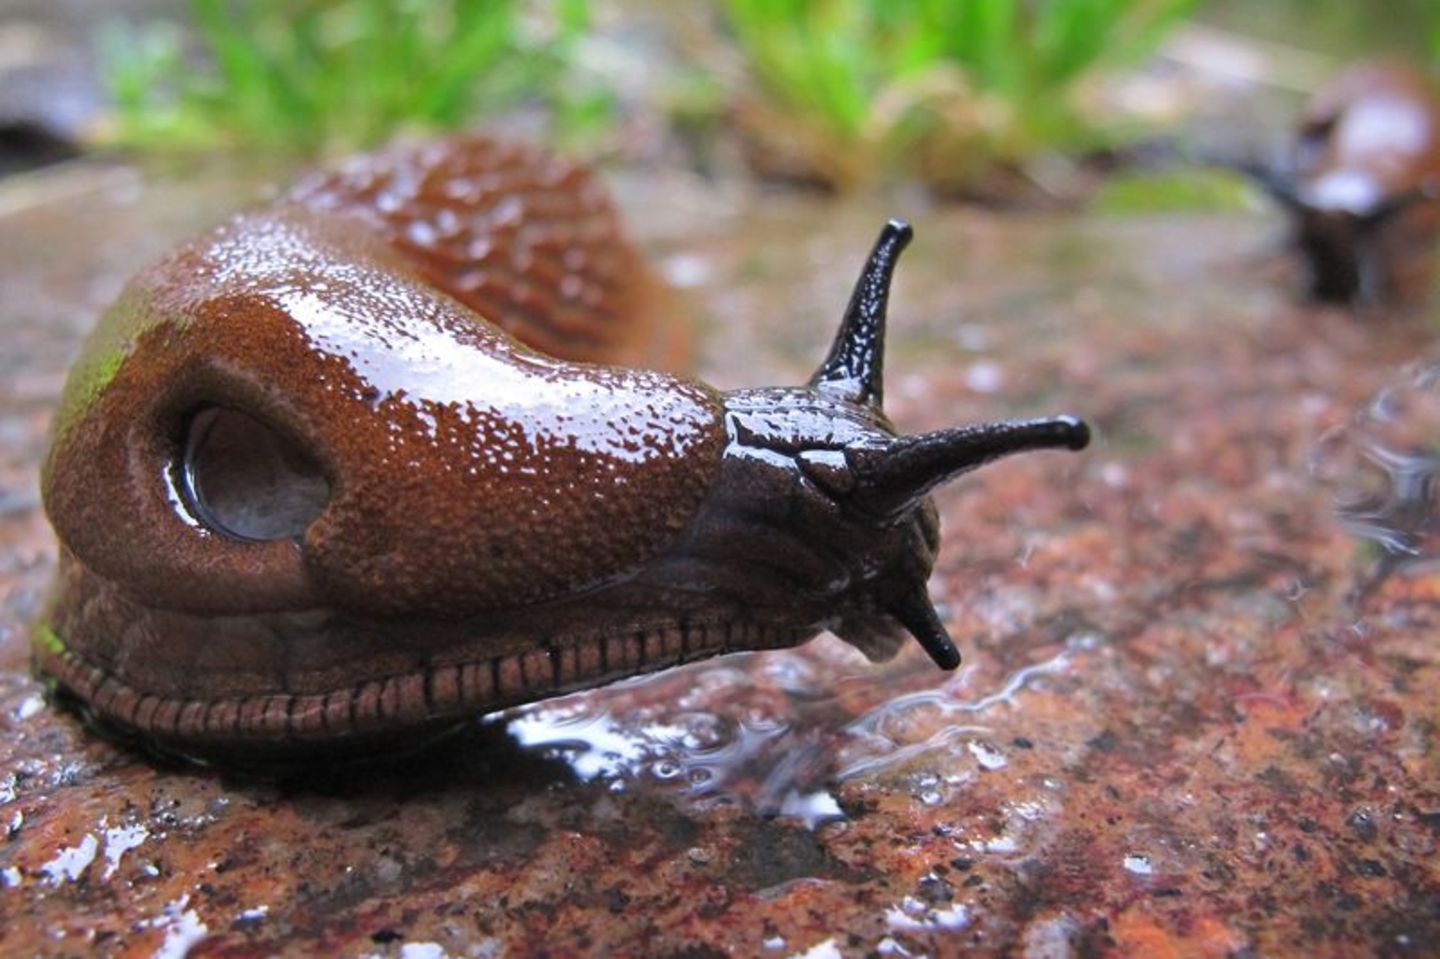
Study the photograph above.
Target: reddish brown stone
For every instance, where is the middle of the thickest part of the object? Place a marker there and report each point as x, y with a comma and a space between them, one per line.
1196, 716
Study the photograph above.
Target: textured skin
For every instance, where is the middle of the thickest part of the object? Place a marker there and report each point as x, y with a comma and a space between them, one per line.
263, 686
470, 473
1372, 135
523, 237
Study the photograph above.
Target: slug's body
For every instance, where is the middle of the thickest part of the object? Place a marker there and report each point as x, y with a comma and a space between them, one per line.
1361, 183
309, 500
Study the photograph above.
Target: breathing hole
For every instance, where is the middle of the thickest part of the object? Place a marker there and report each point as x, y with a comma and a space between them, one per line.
247, 481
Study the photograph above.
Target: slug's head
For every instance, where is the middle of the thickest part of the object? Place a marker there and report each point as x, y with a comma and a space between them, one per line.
820, 491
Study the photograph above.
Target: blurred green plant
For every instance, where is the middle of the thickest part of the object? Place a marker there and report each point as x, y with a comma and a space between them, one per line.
1178, 191
1341, 29
308, 76
950, 91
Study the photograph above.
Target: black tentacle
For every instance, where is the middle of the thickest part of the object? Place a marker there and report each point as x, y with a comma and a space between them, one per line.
894, 477
914, 611
854, 368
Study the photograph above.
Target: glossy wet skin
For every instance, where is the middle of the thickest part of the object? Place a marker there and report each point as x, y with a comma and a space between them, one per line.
308, 502
1362, 182
444, 442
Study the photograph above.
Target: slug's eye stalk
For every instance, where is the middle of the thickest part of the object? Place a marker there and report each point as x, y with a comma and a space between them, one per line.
895, 478
854, 370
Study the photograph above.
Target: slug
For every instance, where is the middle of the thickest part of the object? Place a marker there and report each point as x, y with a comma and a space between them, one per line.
1360, 181
315, 497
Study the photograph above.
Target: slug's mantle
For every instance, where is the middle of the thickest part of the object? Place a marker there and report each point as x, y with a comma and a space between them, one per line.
308, 500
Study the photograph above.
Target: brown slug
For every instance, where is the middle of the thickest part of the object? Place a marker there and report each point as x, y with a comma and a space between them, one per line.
310, 502
1361, 180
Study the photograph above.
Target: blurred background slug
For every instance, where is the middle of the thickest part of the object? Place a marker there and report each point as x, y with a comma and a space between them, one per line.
1361, 182
310, 499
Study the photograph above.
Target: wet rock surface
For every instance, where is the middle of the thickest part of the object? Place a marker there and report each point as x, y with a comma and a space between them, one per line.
1196, 715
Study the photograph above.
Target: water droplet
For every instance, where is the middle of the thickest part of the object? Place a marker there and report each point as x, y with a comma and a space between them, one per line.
913, 915
687, 270
985, 376
182, 926
28, 707
118, 841
912, 906
814, 809
987, 755
70, 863
1382, 467
821, 950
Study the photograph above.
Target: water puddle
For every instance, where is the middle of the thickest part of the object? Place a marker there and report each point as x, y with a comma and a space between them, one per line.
1382, 468
775, 733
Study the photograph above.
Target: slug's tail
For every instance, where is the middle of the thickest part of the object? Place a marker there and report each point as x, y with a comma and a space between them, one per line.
890, 481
